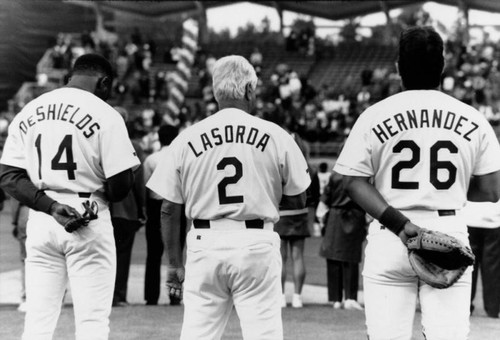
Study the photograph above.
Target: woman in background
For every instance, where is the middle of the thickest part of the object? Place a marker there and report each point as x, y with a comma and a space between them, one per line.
344, 232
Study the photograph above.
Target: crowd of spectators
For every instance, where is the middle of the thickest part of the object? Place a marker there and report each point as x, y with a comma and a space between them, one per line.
472, 75
317, 112
131, 58
326, 113
302, 40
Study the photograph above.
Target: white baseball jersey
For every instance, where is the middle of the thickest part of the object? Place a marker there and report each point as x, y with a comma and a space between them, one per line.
231, 165
149, 166
421, 147
69, 140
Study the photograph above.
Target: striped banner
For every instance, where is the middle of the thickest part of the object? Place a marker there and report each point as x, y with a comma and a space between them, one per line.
180, 78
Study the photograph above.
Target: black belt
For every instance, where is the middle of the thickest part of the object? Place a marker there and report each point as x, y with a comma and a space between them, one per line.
250, 224
446, 212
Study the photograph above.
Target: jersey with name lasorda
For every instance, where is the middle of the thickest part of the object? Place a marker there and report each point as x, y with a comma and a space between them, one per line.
421, 147
69, 140
231, 165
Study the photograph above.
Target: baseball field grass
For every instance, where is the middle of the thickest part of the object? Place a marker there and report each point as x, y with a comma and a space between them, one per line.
164, 322
316, 321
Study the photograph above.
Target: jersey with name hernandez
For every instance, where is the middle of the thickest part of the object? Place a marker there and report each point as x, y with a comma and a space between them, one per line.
231, 165
69, 140
421, 148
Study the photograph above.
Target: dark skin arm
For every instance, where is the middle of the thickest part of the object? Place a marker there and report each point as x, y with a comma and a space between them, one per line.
139, 189
485, 188
118, 186
367, 197
16, 182
139, 186
173, 238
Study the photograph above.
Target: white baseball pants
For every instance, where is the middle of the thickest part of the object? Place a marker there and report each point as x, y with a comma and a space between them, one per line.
391, 288
87, 258
226, 268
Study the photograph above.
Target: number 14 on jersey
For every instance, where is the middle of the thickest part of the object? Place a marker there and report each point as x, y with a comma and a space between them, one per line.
65, 148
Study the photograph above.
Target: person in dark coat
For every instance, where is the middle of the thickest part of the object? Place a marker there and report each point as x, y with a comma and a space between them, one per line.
293, 229
344, 233
154, 241
483, 224
127, 217
20, 214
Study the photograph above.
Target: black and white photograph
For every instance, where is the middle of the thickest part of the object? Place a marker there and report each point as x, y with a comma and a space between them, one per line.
255, 170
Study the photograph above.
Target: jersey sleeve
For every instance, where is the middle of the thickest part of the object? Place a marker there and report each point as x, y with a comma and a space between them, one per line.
355, 157
13, 150
488, 160
117, 151
148, 168
166, 178
296, 176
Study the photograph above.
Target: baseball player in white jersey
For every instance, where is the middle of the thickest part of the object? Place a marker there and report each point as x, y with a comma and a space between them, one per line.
231, 170
64, 148
409, 158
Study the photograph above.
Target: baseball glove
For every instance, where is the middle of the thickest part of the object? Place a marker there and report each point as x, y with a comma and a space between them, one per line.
89, 214
438, 259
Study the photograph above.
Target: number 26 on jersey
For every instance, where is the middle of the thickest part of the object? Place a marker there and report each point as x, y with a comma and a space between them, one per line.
435, 165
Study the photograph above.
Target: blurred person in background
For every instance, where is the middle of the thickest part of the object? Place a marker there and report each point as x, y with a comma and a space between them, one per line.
323, 178
19, 221
256, 60
154, 242
483, 223
127, 217
293, 228
344, 232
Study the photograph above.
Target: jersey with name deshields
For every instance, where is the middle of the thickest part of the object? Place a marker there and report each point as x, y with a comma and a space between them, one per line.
69, 140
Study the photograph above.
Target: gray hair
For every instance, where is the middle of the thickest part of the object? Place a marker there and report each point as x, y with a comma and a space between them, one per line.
231, 74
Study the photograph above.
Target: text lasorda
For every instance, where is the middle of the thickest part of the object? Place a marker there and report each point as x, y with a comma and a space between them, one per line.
229, 134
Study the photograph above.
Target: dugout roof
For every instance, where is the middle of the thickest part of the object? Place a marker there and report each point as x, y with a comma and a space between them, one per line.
333, 10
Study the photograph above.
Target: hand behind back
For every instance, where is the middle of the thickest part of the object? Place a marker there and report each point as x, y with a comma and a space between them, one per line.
175, 279
63, 213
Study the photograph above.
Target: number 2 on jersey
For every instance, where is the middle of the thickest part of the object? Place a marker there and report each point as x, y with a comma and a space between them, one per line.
66, 147
434, 168
221, 187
